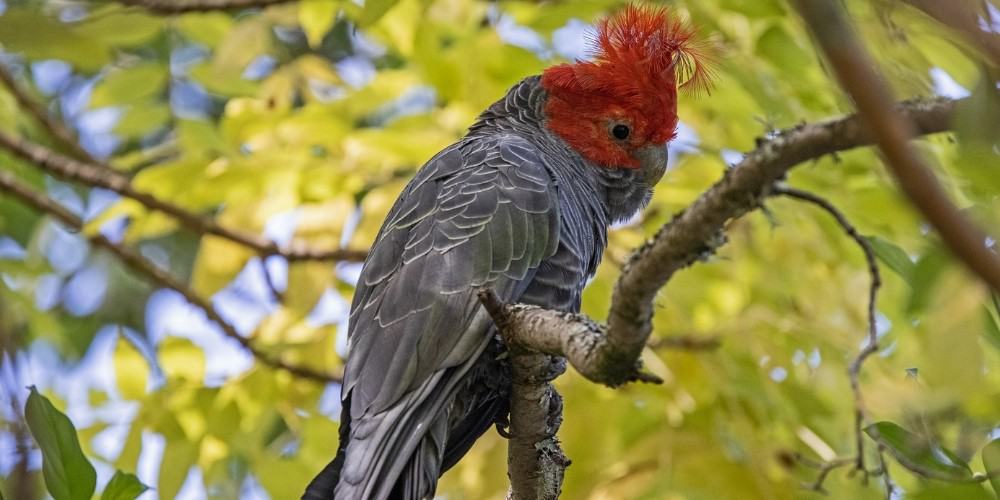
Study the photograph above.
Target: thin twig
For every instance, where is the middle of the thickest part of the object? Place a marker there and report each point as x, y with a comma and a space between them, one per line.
857, 75
686, 342
168, 7
53, 126
871, 346
94, 176
824, 468
138, 263
278, 296
886, 477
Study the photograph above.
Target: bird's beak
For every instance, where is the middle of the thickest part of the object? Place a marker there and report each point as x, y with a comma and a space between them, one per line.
652, 163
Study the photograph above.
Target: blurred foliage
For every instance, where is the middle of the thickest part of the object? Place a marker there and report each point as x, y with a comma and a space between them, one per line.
324, 108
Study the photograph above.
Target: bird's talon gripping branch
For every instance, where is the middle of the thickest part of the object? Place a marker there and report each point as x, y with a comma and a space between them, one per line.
502, 424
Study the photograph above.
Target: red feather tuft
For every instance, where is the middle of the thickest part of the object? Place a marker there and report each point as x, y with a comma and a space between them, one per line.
652, 41
642, 55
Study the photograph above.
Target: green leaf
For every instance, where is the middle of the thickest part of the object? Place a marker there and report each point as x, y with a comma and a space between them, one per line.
131, 370
757, 8
178, 458
781, 49
918, 450
208, 28
119, 27
316, 18
129, 85
892, 256
129, 456
181, 359
374, 10
924, 277
143, 118
306, 283
39, 37
68, 474
123, 486
991, 326
991, 462
941, 491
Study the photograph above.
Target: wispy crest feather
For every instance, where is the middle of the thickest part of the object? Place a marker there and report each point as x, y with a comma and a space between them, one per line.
657, 41
642, 57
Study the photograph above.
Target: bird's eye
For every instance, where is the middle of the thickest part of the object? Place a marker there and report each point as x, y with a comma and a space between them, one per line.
620, 132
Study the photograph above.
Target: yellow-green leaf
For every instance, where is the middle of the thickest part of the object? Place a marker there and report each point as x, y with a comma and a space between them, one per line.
127, 85
207, 28
38, 36
218, 262
306, 282
374, 10
991, 462
181, 359
118, 27
178, 458
131, 370
143, 118
316, 18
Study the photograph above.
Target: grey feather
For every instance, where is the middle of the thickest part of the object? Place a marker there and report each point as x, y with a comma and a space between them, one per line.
511, 207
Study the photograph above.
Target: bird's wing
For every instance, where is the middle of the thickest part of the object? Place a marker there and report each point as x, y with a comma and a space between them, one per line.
483, 212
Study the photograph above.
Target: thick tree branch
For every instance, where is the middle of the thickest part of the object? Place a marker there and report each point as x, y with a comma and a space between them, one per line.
579, 339
857, 75
535, 461
139, 264
609, 355
95, 176
182, 6
695, 233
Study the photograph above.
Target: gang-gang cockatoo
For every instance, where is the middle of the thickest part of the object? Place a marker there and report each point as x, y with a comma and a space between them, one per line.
521, 205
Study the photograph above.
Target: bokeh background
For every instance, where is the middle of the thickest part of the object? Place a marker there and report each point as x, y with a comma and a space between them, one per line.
302, 121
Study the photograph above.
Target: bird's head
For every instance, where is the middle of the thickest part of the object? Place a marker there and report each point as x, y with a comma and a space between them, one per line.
620, 108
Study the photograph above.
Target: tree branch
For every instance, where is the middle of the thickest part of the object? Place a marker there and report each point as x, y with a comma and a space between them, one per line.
168, 7
54, 127
579, 339
871, 345
610, 355
857, 75
139, 264
535, 461
94, 176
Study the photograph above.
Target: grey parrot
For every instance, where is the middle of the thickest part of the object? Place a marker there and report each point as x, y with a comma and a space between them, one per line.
521, 205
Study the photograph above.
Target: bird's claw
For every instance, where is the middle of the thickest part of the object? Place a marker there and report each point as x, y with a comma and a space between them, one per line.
503, 427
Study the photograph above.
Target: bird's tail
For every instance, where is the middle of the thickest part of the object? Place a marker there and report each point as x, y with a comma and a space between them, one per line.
323, 485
